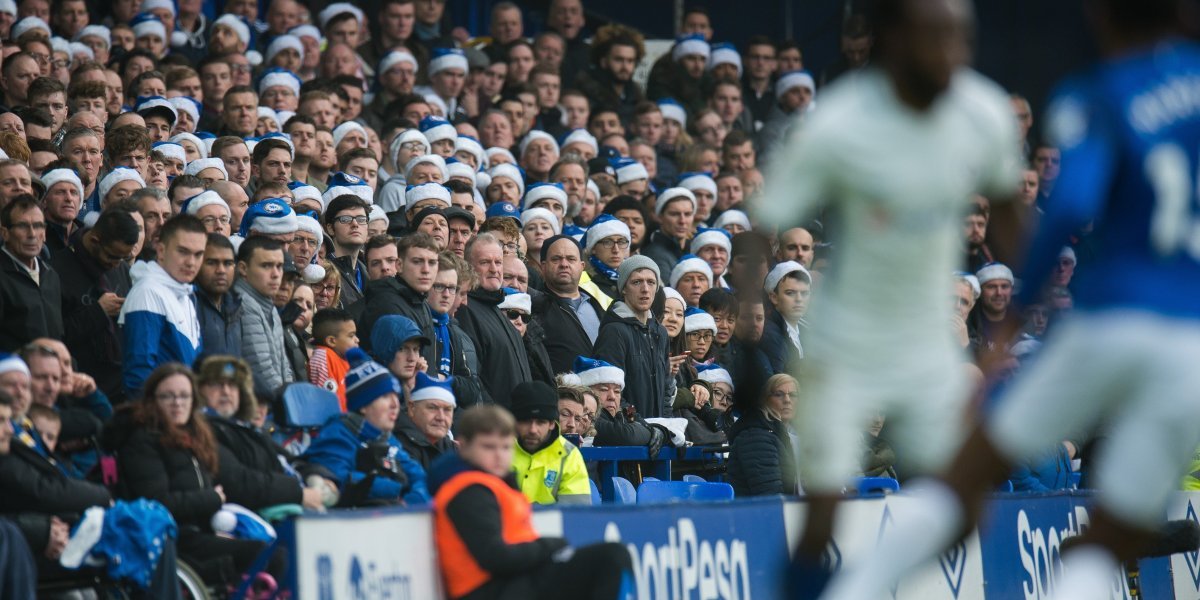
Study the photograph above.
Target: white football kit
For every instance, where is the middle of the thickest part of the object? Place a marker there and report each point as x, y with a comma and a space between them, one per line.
897, 183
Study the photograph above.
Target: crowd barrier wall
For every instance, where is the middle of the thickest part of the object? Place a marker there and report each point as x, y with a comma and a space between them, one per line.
735, 550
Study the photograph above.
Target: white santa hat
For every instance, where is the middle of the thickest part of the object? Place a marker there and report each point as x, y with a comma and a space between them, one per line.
711, 237
672, 194
341, 131
581, 136
537, 134
56, 176
690, 263
534, 214
593, 371
196, 166
697, 320
516, 301
433, 159
193, 205
732, 217
201, 149
782, 270
117, 175
396, 57
283, 42
426, 191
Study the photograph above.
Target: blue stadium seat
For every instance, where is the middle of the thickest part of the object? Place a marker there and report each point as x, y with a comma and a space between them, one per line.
694, 479
596, 500
623, 492
872, 485
1007, 486
306, 406
651, 479
665, 492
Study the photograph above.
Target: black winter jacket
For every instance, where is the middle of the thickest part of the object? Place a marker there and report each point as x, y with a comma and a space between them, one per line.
641, 351
92, 336
566, 338
540, 367
251, 473
776, 344
172, 476
761, 462
620, 431
393, 296
464, 365
35, 489
28, 310
417, 445
503, 362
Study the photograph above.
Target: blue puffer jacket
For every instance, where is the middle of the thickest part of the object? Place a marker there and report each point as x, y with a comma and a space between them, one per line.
336, 448
1043, 473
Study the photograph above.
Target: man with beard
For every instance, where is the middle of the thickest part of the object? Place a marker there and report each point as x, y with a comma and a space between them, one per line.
218, 309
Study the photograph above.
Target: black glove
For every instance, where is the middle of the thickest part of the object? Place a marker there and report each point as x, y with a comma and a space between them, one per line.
657, 439
376, 458
289, 313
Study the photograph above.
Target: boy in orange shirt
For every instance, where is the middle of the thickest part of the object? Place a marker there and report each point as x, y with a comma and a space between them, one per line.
334, 333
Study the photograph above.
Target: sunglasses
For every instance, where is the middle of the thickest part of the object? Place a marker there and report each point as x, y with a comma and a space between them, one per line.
516, 314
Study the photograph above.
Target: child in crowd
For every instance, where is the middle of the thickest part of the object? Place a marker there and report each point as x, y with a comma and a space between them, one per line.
334, 332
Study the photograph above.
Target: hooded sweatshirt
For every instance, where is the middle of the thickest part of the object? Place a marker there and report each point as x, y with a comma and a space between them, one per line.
160, 324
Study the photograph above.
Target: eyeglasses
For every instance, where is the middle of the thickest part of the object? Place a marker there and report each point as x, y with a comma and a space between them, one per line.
210, 221
621, 243
413, 146
325, 289
513, 315
512, 247
701, 336
61, 63
720, 394
444, 289
175, 398
347, 219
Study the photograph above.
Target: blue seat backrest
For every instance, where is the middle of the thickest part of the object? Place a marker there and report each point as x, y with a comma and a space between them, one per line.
306, 405
694, 479
596, 500
623, 492
661, 492
870, 485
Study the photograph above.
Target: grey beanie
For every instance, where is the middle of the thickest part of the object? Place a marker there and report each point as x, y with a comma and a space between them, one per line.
634, 263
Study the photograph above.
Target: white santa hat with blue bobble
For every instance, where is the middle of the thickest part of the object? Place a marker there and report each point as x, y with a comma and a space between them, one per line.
695, 319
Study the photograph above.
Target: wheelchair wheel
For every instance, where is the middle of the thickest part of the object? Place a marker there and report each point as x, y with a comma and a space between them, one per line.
192, 586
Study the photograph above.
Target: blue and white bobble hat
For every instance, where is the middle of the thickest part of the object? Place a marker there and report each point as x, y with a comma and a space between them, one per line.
580, 136
119, 174
534, 135
437, 129
426, 191
593, 371
458, 168
171, 150
146, 24
782, 270
544, 191
303, 191
346, 128
516, 300
448, 58
690, 45
366, 381
56, 176
672, 109
313, 272
725, 54
628, 169
192, 205
690, 263
711, 237
96, 31
714, 373
147, 105
428, 388
279, 77
196, 166
698, 181
344, 183
604, 226
284, 42
695, 319
671, 194
793, 79
433, 159
28, 24
511, 172
539, 213
271, 216
466, 143
396, 57
733, 217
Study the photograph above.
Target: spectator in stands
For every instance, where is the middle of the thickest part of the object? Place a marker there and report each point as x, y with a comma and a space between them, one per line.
400, 343
631, 340
566, 18
166, 452
574, 415
758, 95
405, 293
95, 282
607, 243
549, 469
1047, 160
617, 422
260, 273
1065, 269
159, 317
503, 360
761, 459
788, 286
994, 313
358, 448
796, 244
705, 419
794, 93
570, 314
855, 45
691, 277
334, 334
423, 428
676, 212
30, 289
616, 51
484, 554
346, 228
218, 309
975, 226
252, 467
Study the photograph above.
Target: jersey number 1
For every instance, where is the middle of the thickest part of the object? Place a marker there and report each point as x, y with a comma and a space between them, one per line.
1172, 225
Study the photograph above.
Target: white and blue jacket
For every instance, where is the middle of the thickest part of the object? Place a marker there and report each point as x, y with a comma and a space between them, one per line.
159, 324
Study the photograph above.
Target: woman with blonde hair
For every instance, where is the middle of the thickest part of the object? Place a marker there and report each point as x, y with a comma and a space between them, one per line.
328, 291
761, 460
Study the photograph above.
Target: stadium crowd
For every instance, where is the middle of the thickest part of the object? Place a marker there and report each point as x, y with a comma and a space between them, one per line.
197, 213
